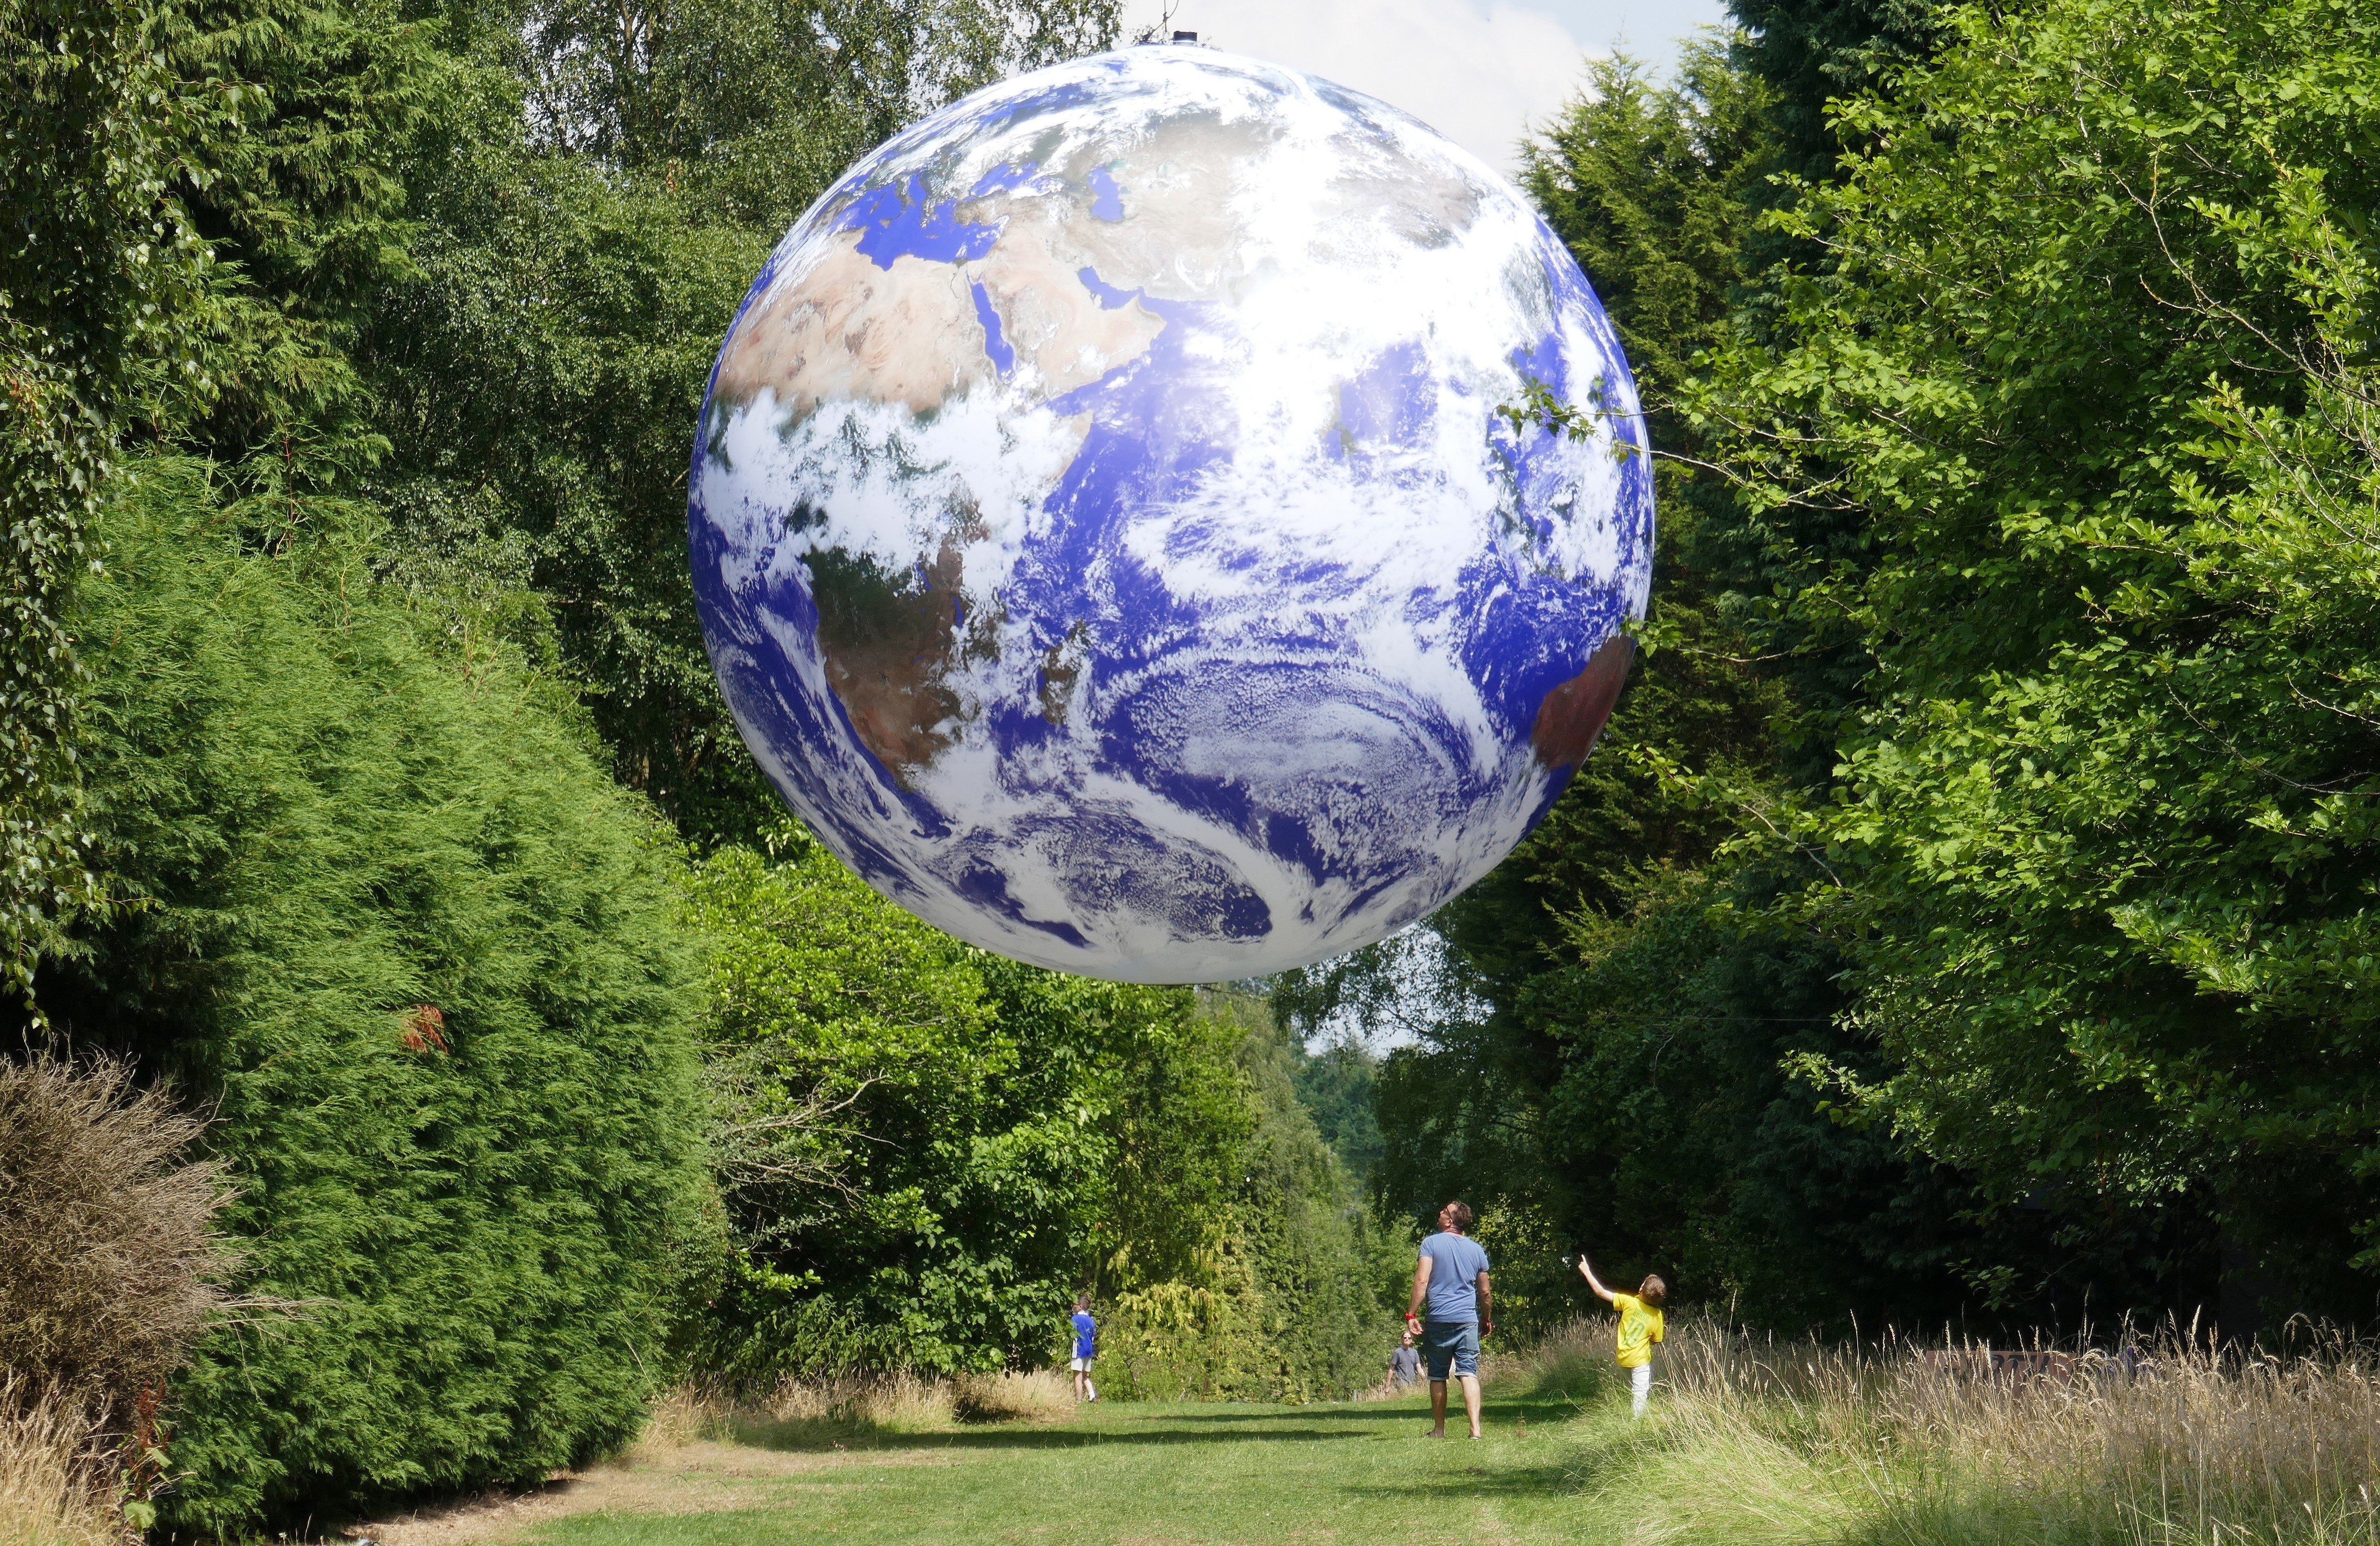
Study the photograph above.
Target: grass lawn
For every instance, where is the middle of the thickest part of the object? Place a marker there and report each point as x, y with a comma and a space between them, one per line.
1142, 1474
1749, 1440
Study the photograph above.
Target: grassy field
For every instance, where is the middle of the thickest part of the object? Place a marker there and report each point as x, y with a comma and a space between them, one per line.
1751, 1443
1143, 1474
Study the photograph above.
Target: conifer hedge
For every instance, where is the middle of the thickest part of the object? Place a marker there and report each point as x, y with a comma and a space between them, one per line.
383, 906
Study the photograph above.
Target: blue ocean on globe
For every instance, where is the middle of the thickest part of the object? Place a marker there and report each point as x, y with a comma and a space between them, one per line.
1112, 536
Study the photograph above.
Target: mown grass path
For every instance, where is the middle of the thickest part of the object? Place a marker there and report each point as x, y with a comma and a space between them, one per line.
1117, 1475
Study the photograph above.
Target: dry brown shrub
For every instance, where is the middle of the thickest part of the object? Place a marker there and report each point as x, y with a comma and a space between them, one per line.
818, 1400
689, 1414
797, 1414
109, 1263
109, 1271
887, 1401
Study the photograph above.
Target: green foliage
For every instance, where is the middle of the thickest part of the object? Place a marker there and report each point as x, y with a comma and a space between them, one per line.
2093, 362
1647, 186
761, 102
1286, 1297
298, 194
1522, 1050
100, 275
1685, 1025
931, 1150
378, 904
1338, 1087
388, 914
1198, 1337
194, 199
1815, 52
1326, 1268
539, 374
977, 1141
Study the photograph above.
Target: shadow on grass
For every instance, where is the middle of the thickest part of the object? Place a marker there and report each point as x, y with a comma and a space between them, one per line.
1589, 1454
1018, 1436
1287, 1414
1480, 1481
1536, 1406
1158, 1425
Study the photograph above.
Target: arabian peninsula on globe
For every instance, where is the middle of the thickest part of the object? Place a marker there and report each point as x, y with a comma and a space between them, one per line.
1107, 538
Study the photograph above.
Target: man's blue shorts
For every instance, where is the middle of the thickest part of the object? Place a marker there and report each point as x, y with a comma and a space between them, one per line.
1450, 1342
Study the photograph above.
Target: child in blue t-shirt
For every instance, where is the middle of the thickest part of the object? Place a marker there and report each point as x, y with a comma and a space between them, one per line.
1086, 1348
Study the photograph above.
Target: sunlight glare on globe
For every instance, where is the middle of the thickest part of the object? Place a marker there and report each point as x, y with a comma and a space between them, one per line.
1107, 538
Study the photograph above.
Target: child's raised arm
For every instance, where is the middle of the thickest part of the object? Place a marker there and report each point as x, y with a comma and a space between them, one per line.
1600, 1291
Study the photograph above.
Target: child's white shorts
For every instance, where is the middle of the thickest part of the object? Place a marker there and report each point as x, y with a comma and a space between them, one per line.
1640, 1387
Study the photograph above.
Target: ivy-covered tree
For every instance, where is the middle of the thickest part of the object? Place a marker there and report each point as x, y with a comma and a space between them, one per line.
104, 296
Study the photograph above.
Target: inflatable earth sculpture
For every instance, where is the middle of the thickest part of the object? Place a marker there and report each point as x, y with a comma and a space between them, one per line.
1135, 527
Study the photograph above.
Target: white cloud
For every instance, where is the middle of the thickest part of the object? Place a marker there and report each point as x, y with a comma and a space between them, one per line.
1481, 79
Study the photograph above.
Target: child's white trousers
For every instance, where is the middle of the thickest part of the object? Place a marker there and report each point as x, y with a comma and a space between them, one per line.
1640, 1386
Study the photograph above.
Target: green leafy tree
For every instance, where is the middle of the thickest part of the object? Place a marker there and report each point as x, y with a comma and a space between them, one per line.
387, 913
1324, 1263
931, 1150
1814, 52
1283, 1295
761, 102
977, 1141
541, 372
2091, 365
299, 197
1338, 1086
1647, 186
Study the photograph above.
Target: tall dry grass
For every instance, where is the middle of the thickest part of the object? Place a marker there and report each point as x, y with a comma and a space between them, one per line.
798, 1413
2171, 1442
57, 1477
1573, 1361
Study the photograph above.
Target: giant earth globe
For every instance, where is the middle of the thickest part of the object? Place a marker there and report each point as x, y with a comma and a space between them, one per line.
1170, 518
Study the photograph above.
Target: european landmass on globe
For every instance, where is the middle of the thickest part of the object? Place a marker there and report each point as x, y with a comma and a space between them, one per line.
1108, 537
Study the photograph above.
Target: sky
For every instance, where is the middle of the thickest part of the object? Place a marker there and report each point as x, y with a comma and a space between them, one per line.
1482, 72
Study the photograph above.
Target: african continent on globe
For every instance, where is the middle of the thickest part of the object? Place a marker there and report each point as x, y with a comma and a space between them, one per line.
1108, 540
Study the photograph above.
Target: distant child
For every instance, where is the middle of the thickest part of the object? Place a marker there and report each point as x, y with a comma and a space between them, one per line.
1086, 1348
1640, 1327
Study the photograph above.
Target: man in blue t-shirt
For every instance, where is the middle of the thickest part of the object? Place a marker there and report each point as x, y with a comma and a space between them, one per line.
1086, 1348
1452, 1276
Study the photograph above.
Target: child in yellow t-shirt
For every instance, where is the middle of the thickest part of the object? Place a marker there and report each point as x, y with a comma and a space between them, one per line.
1640, 1327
